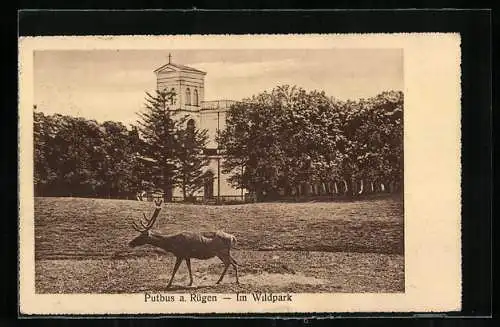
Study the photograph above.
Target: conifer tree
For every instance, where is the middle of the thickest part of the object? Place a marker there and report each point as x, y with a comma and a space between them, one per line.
158, 128
177, 153
191, 160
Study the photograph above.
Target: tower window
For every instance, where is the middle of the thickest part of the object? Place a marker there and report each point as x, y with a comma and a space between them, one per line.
195, 97
188, 96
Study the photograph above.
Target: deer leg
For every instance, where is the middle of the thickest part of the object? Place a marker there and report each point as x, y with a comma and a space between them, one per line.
226, 265
235, 266
176, 266
188, 263
226, 262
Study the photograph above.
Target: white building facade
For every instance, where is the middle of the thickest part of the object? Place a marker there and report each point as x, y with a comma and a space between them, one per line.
189, 86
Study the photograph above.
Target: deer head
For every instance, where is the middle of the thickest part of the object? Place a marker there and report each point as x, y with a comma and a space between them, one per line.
144, 227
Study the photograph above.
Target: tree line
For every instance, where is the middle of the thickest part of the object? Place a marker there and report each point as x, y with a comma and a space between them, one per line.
290, 142
286, 142
74, 156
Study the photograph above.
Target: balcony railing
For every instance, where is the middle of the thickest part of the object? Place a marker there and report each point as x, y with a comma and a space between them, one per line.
217, 104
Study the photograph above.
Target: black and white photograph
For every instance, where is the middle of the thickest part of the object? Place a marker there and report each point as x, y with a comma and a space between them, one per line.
204, 176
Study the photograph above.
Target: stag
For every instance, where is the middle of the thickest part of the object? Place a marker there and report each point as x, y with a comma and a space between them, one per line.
187, 245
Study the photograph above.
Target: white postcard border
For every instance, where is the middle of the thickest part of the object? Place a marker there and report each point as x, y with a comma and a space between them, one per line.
432, 177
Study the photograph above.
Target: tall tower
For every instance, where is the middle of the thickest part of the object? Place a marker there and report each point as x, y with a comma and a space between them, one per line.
188, 84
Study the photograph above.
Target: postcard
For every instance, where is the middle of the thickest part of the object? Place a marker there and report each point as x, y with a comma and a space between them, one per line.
221, 174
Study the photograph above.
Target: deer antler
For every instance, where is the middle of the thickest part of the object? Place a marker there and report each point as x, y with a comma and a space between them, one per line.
136, 227
149, 222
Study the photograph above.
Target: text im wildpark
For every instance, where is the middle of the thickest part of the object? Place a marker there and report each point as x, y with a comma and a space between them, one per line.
206, 298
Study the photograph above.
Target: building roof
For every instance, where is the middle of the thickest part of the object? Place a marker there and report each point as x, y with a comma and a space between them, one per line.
179, 67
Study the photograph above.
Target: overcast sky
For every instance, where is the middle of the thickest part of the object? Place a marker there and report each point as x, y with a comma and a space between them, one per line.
110, 85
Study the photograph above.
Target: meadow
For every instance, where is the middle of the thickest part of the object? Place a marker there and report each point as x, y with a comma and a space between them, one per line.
81, 246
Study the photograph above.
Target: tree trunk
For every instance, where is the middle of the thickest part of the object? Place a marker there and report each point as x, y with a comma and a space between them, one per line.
371, 183
382, 187
259, 192
184, 193
167, 189
336, 188
361, 188
399, 187
308, 189
287, 190
346, 189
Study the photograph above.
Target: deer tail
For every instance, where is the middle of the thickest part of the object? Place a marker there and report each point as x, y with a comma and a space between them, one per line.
229, 239
232, 243
233, 240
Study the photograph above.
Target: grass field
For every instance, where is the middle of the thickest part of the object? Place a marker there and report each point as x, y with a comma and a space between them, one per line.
81, 246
